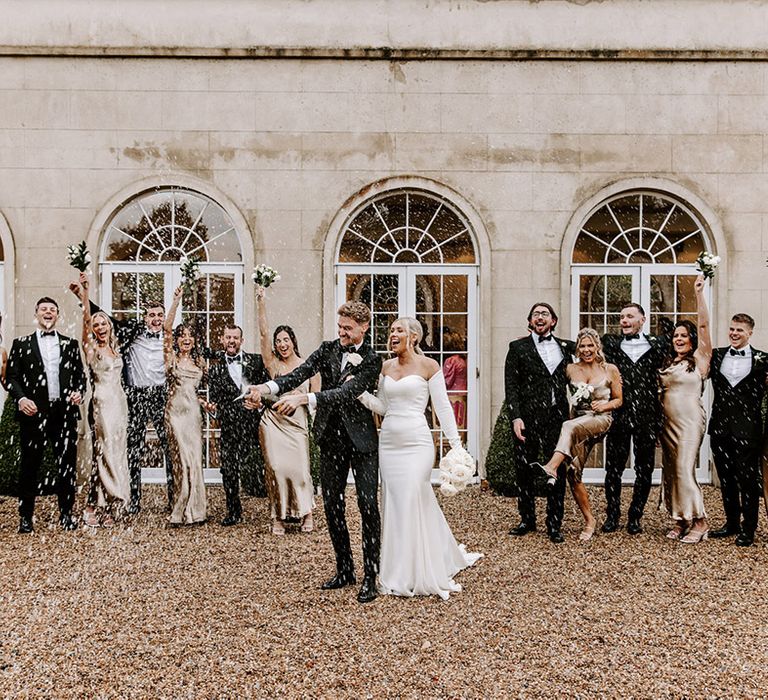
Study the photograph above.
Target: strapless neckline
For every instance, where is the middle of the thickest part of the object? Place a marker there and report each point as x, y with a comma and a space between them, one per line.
405, 377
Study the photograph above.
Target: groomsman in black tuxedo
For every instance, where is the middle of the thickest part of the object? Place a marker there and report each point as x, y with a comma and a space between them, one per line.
738, 374
346, 435
638, 357
45, 376
141, 345
227, 380
535, 389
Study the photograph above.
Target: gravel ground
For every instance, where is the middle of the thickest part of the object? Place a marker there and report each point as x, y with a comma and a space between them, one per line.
141, 611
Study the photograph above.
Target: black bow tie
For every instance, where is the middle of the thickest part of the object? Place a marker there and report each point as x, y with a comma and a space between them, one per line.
545, 338
47, 333
632, 336
149, 334
740, 353
235, 358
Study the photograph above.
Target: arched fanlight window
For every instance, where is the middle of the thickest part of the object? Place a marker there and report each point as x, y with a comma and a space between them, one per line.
640, 228
169, 224
410, 226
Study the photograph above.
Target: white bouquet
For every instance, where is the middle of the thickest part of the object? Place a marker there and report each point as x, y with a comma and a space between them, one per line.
706, 264
583, 395
190, 273
456, 470
78, 256
264, 275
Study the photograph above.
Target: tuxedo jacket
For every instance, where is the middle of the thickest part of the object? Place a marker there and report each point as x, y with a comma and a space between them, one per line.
528, 385
337, 402
640, 381
736, 410
26, 378
223, 391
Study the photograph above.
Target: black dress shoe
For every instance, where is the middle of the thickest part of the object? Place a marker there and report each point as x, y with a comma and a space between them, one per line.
634, 527
25, 526
338, 581
522, 529
724, 531
556, 536
744, 539
133, 508
231, 520
68, 523
368, 591
610, 525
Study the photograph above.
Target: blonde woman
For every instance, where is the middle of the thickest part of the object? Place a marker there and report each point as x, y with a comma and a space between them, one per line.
285, 438
595, 391
110, 490
419, 554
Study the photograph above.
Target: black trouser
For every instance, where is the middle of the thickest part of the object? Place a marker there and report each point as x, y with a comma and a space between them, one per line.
738, 464
146, 404
337, 456
643, 440
238, 447
540, 441
57, 427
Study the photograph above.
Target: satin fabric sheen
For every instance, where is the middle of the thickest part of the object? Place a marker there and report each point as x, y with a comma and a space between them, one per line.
681, 436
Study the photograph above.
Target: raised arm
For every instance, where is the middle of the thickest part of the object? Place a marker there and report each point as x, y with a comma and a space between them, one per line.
362, 380
703, 353
270, 361
375, 404
168, 354
88, 344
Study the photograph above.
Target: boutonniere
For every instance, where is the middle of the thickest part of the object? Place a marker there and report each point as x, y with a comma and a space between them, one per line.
354, 359
759, 356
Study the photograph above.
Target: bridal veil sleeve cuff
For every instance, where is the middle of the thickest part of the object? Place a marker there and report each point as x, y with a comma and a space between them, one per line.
443, 410
376, 404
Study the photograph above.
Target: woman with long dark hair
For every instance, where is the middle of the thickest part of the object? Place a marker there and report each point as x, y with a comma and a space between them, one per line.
682, 383
285, 438
183, 420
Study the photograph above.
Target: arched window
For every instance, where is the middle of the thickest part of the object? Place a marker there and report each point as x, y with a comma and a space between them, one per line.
145, 241
411, 252
637, 246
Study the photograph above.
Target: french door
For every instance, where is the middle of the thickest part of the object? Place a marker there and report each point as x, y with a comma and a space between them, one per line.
666, 292
215, 301
444, 300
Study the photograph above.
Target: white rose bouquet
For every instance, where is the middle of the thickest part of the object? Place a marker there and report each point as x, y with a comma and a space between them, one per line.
582, 395
78, 256
190, 273
706, 264
456, 470
264, 275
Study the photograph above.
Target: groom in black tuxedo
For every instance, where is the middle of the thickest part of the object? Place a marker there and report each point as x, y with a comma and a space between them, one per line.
45, 377
535, 390
638, 357
227, 380
738, 374
346, 435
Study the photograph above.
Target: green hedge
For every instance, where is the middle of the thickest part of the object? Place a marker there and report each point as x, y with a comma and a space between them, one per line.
10, 456
501, 467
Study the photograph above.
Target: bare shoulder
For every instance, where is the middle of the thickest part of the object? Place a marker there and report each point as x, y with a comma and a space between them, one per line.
429, 367
612, 370
387, 365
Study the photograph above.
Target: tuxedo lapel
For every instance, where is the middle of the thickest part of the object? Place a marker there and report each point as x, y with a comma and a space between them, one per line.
336, 362
534, 354
36, 348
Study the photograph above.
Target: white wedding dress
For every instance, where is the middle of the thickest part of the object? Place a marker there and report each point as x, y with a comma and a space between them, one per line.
419, 555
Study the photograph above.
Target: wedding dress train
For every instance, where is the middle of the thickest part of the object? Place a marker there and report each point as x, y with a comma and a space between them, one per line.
419, 555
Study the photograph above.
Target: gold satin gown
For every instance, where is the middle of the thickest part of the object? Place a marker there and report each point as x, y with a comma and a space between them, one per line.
184, 425
582, 432
285, 445
681, 435
110, 481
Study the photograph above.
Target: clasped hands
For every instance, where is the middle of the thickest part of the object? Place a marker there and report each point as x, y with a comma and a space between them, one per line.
285, 405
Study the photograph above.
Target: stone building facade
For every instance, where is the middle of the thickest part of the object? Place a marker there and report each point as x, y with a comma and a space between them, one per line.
457, 161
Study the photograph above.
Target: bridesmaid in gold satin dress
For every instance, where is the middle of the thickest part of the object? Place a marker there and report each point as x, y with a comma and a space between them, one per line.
589, 421
109, 490
183, 420
682, 384
284, 439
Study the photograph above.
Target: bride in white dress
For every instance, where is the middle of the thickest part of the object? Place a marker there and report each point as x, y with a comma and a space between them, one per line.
419, 555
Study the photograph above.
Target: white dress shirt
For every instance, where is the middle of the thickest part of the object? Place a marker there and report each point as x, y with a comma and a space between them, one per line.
235, 369
735, 367
636, 348
146, 367
51, 354
550, 352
